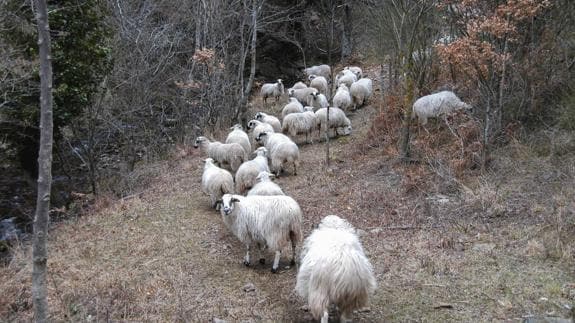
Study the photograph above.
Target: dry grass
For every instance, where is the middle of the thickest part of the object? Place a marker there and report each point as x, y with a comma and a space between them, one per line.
446, 246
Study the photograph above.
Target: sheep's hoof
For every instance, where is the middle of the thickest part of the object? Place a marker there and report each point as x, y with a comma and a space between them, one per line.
262, 261
246, 263
292, 262
274, 270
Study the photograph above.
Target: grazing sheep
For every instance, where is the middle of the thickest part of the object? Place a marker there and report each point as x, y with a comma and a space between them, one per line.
238, 136
231, 154
317, 101
298, 85
320, 83
269, 221
337, 120
346, 77
334, 270
342, 97
321, 70
272, 89
256, 127
437, 104
294, 106
303, 122
269, 119
249, 170
360, 92
302, 94
216, 181
265, 186
283, 151
355, 70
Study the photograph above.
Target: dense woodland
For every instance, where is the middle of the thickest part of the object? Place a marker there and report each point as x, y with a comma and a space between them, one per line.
136, 82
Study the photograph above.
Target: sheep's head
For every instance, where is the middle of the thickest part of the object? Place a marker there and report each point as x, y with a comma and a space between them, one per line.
261, 137
228, 201
209, 160
307, 108
262, 151
237, 126
291, 92
199, 141
251, 124
311, 77
335, 222
259, 116
264, 177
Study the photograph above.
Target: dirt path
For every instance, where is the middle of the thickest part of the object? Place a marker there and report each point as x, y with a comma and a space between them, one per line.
165, 256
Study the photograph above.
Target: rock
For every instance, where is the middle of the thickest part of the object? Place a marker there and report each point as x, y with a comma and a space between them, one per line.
483, 247
535, 248
249, 288
376, 230
361, 232
217, 320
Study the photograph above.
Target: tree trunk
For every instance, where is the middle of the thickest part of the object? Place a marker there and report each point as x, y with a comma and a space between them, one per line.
329, 46
243, 106
39, 252
346, 39
407, 105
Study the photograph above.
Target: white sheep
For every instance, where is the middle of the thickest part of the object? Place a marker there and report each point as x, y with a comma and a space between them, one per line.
239, 136
355, 70
437, 104
317, 100
249, 170
294, 106
265, 186
272, 89
342, 97
216, 181
283, 151
320, 83
256, 127
270, 221
346, 77
231, 154
297, 123
337, 121
269, 119
334, 270
321, 70
298, 85
360, 92
302, 94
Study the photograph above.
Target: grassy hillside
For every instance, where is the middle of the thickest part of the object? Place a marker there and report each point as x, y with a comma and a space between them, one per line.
446, 246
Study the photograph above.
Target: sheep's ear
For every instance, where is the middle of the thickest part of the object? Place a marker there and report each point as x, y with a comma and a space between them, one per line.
234, 200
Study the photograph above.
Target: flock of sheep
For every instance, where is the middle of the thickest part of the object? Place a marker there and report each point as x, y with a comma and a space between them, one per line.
333, 268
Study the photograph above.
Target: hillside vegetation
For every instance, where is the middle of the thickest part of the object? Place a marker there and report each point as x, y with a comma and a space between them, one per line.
485, 246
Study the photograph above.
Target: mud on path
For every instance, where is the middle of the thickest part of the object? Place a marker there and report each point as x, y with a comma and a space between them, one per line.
164, 255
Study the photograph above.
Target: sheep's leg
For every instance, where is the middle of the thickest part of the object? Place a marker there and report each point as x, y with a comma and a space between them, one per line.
293, 244
262, 250
247, 257
276, 261
344, 317
325, 317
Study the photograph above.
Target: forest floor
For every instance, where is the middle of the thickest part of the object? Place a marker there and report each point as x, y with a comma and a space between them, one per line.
488, 246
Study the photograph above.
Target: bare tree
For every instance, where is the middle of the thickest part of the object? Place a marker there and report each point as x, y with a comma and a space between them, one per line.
404, 32
39, 253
